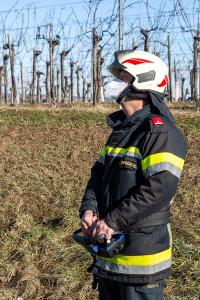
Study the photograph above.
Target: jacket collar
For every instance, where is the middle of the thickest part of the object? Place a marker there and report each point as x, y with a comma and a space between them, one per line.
118, 120
158, 105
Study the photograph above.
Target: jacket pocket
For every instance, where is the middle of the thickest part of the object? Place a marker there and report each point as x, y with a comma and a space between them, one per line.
123, 180
151, 229
147, 240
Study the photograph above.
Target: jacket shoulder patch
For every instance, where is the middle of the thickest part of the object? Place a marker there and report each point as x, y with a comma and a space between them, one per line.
157, 121
157, 124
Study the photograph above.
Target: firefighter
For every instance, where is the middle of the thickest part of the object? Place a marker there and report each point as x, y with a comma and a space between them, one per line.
133, 182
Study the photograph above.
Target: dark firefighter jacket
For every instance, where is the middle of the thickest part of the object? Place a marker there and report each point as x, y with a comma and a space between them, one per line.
131, 186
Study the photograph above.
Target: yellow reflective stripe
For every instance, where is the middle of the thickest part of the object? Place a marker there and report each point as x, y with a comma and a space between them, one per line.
118, 150
134, 149
157, 158
140, 260
103, 151
115, 150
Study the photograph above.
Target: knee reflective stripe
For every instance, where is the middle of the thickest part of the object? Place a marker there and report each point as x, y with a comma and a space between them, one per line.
159, 162
170, 234
144, 264
120, 152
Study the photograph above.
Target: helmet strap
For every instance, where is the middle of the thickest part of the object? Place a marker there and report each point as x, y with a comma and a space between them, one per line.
131, 94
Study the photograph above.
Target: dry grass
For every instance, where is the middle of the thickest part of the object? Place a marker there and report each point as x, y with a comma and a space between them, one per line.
45, 159
79, 106
184, 283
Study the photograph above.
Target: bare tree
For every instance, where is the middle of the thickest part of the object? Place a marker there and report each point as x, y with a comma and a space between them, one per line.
47, 81
1, 73
22, 83
83, 88
62, 59
12, 62
145, 33
67, 92
182, 89
38, 100
72, 80
170, 68
95, 41
52, 44
36, 53
78, 82
58, 86
100, 90
187, 26
5, 70
195, 71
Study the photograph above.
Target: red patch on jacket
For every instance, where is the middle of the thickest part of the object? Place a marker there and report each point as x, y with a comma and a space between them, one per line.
157, 121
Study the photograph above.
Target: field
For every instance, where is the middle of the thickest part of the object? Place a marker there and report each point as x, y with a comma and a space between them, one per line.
45, 160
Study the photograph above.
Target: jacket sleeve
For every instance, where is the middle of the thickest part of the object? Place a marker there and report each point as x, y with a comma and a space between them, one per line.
162, 163
92, 192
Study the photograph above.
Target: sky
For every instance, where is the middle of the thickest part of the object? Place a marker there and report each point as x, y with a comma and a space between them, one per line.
28, 23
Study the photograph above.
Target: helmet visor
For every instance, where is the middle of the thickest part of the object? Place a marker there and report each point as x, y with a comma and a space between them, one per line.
116, 68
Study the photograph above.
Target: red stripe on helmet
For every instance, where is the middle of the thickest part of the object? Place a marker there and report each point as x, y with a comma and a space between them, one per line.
136, 61
164, 81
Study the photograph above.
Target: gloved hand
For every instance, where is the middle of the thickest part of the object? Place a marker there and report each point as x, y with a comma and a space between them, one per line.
89, 218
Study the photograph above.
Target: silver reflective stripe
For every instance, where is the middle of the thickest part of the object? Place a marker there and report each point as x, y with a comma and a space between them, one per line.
142, 270
133, 154
170, 234
121, 152
118, 152
114, 154
130, 154
162, 167
172, 201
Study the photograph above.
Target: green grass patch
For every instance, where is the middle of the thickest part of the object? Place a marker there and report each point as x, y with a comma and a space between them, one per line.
55, 119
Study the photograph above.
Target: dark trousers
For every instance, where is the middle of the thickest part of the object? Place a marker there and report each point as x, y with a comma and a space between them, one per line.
113, 290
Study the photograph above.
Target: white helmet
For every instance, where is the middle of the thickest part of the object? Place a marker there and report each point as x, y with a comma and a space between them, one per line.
149, 72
